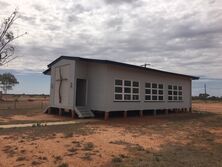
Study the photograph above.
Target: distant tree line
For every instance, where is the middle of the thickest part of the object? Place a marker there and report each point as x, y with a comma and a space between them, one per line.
203, 96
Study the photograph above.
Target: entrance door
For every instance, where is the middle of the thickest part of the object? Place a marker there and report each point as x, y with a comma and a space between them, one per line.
81, 92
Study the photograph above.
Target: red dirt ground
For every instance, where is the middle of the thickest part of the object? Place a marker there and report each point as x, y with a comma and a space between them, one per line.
162, 135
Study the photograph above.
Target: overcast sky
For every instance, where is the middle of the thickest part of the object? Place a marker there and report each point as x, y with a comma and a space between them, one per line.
183, 36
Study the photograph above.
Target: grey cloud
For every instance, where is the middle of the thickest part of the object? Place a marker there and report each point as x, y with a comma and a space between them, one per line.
115, 23
78, 8
184, 43
3, 4
119, 1
188, 31
30, 19
52, 27
38, 7
73, 18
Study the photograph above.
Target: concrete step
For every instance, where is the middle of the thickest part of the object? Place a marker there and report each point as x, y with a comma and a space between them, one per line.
84, 112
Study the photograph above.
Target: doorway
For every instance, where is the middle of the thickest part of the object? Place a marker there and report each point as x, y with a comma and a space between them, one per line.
81, 92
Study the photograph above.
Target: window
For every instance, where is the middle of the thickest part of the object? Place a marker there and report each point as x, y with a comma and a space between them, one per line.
126, 90
175, 93
153, 92
118, 82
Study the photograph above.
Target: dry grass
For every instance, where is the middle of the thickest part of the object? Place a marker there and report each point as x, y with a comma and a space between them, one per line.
35, 133
29, 109
176, 140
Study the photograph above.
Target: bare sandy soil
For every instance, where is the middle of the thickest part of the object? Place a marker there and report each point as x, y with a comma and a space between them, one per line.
28, 116
183, 139
208, 106
25, 109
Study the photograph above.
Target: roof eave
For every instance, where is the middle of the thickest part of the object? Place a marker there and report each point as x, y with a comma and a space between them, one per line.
47, 72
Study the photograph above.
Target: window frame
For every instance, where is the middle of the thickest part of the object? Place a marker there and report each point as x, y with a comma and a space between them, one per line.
132, 87
151, 89
176, 93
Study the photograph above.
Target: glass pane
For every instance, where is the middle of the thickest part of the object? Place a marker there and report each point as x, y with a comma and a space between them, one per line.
147, 85
154, 92
169, 97
180, 87
147, 97
127, 97
160, 86
127, 90
118, 82
160, 97
175, 98
147, 91
180, 98
180, 93
135, 97
118, 97
174, 87
127, 83
169, 86
154, 97
154, 85
169, 92
118, 89
136, 84
135, 90
160, 92
174, 92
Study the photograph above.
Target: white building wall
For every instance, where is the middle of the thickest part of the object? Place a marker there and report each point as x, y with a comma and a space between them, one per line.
124, 73
95, 74
100, 86
68, 97
97, 86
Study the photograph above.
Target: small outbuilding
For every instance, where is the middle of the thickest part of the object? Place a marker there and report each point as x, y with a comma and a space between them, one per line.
84, 86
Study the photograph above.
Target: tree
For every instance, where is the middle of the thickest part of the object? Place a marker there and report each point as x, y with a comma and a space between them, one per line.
6, 37
7, 81
203, 95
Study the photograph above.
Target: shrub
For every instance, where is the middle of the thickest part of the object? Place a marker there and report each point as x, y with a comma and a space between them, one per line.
117, 159
20, 159
88, 146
